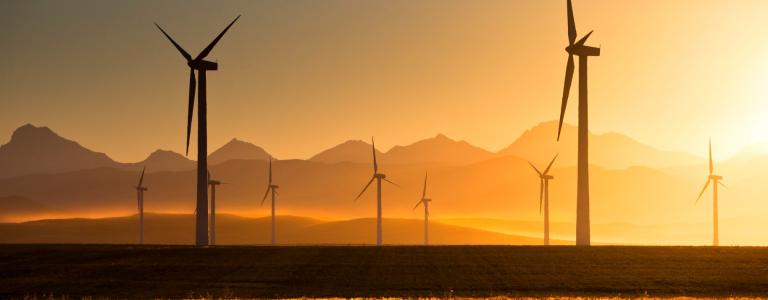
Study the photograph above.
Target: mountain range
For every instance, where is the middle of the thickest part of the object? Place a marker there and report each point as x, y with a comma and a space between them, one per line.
39, 150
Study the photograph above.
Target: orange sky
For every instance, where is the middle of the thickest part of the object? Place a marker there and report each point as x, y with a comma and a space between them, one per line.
297, 77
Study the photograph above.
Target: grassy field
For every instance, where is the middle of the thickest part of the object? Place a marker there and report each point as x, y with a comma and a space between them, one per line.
119, 271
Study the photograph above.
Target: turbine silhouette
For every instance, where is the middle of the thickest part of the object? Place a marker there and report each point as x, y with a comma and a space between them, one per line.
140, 189
273, 189
202, 66
715, 179
583, 52
213, 183
426, 201
378, 177
544, 178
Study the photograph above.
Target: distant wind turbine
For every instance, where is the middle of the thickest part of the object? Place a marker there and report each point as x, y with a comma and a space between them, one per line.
426, 201
378, 177
140, 189
583, 52
202, 66
715, 179
213, 183
544, 178
273, 189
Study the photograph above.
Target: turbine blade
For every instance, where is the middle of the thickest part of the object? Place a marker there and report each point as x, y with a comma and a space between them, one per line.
208, 49
541, 195
546, 171
418, 203
584, 39
141, 179
721, 183
424, 193
535, 169
571, 24
365, 188
191, 104
711, 166
706, 184
270, 171
181, 50
387, 180
566, 91
375, 164
265, 196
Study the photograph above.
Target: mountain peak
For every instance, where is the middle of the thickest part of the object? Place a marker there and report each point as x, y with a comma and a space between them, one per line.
439, 149
237, 149
29, 132
350, 151
35, 149
164, 153
165, 160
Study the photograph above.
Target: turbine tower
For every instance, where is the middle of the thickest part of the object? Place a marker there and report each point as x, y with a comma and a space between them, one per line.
213, 183
426, 201
140, 189
583, 52
715, 179
544, 178
378, 177
273, 189
202, 66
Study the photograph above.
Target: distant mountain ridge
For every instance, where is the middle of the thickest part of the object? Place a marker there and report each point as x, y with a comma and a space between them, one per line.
438, 149
609, 150
237, 149
39, 150
33, 150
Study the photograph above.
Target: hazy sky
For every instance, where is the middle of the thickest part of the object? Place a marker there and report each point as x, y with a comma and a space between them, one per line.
299, 76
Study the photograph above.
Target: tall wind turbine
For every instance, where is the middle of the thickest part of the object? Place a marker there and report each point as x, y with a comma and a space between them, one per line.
273, 189
202, 66
140, 189
715, 179
426, 201
378, 177
544, 178
213, 183
583, 52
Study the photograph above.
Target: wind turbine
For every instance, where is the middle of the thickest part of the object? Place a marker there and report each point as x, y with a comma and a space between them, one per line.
202, 66
271, 188
426, 201
583, 52
378, 177
715, 179
544, 195
140, 189
213, 183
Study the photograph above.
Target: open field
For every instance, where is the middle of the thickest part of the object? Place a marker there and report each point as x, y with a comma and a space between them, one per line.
122, 271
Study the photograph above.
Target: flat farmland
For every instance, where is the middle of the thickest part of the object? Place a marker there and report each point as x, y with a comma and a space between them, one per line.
127, 271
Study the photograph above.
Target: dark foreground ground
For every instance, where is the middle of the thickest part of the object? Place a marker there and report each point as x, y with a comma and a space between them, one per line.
176, 271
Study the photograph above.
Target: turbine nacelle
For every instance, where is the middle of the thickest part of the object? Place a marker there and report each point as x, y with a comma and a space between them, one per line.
547, 177
380, 175
141, 188
715, 177
274, 186
203, 65
214, 182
